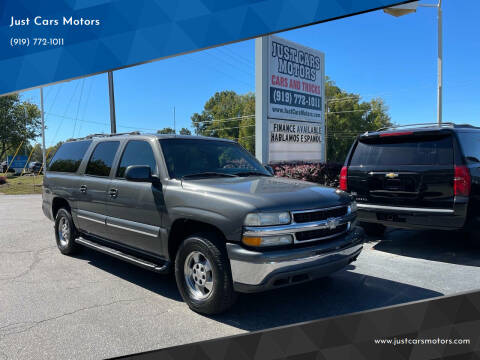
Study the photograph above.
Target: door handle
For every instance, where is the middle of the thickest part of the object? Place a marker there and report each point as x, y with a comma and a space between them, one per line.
83, 189
113, 193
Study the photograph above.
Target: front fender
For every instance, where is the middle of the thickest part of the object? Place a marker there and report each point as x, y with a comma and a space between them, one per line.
230, 228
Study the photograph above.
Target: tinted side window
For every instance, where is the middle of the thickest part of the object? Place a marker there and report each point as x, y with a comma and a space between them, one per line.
100, 162
69, 156
425, 151
470, 143
137, 152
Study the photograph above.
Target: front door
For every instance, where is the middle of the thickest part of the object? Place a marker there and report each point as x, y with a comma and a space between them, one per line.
134, 209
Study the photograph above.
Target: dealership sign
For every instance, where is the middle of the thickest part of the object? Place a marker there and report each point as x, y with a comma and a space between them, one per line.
296, 81
296, 91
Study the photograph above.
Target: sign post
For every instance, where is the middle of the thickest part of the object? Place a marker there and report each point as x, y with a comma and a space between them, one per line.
261, 99
290, 101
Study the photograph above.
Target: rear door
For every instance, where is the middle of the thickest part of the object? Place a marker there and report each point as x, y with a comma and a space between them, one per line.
92, 188
410, 170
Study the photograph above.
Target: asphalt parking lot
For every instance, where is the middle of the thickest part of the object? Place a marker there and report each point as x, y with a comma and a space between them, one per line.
94, 306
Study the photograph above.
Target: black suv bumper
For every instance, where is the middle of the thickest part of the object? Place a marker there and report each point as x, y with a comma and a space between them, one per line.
410, 217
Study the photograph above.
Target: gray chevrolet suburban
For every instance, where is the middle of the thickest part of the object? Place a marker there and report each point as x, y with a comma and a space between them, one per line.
202, 207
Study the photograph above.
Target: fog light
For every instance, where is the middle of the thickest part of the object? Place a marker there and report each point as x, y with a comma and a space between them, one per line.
265, 241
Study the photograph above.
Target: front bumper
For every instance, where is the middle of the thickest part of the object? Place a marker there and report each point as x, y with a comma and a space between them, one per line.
254, 271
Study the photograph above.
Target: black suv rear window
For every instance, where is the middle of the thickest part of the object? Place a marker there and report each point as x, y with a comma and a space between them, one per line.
470, 143
69, 156
398, 151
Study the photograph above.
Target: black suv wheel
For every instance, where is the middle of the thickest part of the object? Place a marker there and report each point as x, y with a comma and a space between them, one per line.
372, 229
203, 274
65, 232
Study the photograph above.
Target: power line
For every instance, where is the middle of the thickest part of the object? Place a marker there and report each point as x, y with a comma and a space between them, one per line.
230, 128
99, 123
227, 119
86, 103
78, 107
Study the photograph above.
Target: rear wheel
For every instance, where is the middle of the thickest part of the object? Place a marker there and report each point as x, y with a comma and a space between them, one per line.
65, 232
471, 237
373, 229
203, 274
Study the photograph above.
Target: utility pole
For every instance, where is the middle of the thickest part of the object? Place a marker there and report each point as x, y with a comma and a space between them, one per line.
440, 65
410, 8
44, 157
111, 96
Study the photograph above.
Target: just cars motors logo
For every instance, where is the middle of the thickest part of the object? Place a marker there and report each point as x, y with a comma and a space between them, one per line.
332, 223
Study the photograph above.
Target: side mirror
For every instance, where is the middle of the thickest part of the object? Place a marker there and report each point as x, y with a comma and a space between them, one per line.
270, 169
139, 173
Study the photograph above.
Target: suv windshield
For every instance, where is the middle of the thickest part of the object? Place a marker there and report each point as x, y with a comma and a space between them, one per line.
404, 151
194, 158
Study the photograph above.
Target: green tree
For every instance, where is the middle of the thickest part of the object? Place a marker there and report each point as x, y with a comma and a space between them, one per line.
19, 121
347, 117
228, 115
167, 130
185, 131
49, 151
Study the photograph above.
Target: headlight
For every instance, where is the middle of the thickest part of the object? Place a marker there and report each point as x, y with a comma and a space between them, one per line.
352, 207
266, 219
264, 241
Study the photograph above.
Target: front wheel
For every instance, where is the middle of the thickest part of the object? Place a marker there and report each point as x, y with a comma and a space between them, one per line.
203, 274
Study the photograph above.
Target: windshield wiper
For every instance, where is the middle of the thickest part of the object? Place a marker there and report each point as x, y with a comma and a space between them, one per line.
208, 174
251, 173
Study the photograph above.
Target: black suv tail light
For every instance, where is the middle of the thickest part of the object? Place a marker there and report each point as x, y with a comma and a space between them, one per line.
343, 178
462, 181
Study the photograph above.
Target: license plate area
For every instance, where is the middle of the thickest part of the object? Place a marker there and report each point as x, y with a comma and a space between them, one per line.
390, 217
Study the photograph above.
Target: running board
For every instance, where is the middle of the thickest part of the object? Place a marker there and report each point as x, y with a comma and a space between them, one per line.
123, 256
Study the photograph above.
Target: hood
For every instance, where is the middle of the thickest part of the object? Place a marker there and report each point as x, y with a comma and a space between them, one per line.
270, 193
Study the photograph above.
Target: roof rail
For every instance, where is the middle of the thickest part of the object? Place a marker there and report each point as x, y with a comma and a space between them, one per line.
445, 124
91, 136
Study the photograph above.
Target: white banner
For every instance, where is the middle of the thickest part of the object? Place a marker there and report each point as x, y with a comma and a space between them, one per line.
295, 140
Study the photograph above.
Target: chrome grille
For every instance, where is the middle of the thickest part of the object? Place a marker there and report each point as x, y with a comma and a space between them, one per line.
319, 215
320, 233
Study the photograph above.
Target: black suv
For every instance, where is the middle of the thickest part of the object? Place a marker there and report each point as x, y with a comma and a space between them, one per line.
421, 177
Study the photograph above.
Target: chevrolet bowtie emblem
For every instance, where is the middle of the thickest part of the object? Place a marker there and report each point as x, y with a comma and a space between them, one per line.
332, 223
391, 175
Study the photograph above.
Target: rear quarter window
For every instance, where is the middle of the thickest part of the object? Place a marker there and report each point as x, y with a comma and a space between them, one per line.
397, 151
69, 156
470, 143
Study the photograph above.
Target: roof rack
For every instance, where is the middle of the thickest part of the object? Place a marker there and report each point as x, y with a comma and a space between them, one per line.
446, 124
91, 136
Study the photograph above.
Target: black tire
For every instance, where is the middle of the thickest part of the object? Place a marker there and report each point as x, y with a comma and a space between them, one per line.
372, 229
66, 239
211, 248
471, 238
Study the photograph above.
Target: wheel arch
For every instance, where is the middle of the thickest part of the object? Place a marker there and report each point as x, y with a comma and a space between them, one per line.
182, 228
58, 203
